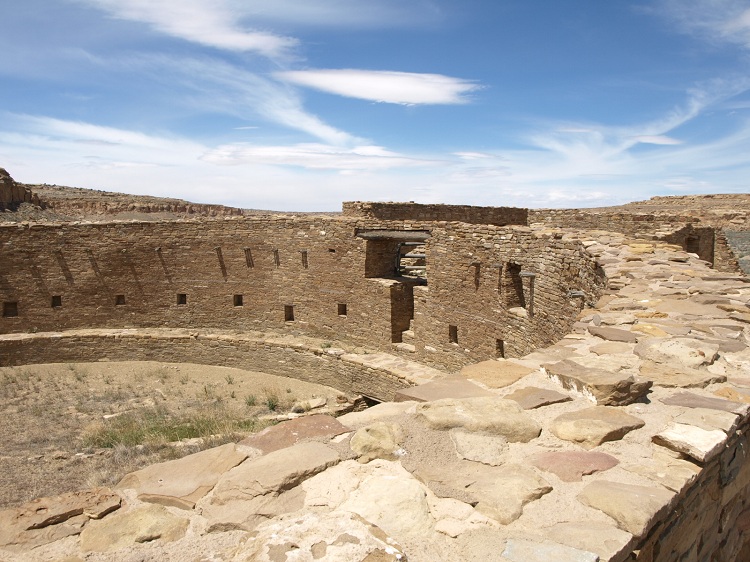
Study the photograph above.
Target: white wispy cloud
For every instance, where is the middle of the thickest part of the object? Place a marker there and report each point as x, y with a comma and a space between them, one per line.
315, 156
212, 23
406, 88
718, 21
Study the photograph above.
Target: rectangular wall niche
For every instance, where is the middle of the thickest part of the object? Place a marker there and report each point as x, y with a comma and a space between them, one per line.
181, 298
119, 300
276, 258
237, 300
453, 333
342, 309
500, 348
288, 313
56, 301
10, 309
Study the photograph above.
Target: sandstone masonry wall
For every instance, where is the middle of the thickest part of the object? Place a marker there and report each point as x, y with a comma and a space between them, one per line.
498, 216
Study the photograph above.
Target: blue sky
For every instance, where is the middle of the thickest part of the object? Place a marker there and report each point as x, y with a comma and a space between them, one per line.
302, 104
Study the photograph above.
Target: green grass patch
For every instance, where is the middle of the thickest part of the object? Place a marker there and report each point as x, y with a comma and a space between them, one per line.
155, 425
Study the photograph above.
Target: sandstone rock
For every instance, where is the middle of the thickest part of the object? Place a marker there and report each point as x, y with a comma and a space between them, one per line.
593, 426
599, 386
125, 528
48, 519
606, 540
709, 419
268, 476
449, 387
496, 373
377, 441
687, 352
182, 482
571, 466
650, 330
611, 348
668, 470
453, 517
691, 400
700, 444
491, 415
734, 394
667, 375
634, 508
504, 491
378, 412
613, 334
293, 431
337, 537
487, 449
684, 306
531, 397
307, 405
523, 550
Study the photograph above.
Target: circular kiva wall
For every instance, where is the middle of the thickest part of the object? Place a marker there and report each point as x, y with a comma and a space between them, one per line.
490, 291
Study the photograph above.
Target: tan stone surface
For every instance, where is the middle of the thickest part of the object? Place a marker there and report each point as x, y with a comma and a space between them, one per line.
494, 415
495, 373
448, 387
593, 426
609, 542
602, 387
687, 352
677, 375
531, 397
634, 508
182, 482
504, 491
700, 444
571, 466
377, 441
487, 449
126, 528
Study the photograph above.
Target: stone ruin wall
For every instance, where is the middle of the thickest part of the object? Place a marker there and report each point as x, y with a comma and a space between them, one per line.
13, 194
192, 274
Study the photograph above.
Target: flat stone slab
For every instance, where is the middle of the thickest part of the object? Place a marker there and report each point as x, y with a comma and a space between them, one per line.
604, 539
448, 387
378, 412
532, 397
700, 444
487, 449
634, 508
687, 352
685, 306
671, 376
601, 387
491, 415
611, 348
613, 334
496, 373
709, 419
182, 482
571, 466
734, 394
291, 432
127, 528
503, 492
228, 506
691, 400
663, 468
44, 520
593, 426
522, 550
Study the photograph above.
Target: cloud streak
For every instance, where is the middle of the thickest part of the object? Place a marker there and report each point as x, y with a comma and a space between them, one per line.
404, 88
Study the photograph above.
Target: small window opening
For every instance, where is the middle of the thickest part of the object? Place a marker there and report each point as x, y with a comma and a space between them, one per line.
692, 244
305, 263
249, 258
10, 309
56, 301
342, 309
500, 348
288, 313
181, 298
453, 334
237, 300
119, 300
332, 250
276, 258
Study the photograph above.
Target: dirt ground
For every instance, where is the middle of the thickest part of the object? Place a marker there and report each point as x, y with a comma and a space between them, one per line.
54, 418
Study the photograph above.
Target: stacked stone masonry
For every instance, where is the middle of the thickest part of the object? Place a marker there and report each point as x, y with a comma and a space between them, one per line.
616, 427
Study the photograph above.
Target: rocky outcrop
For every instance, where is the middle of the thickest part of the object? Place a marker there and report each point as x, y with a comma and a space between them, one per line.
13, 194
